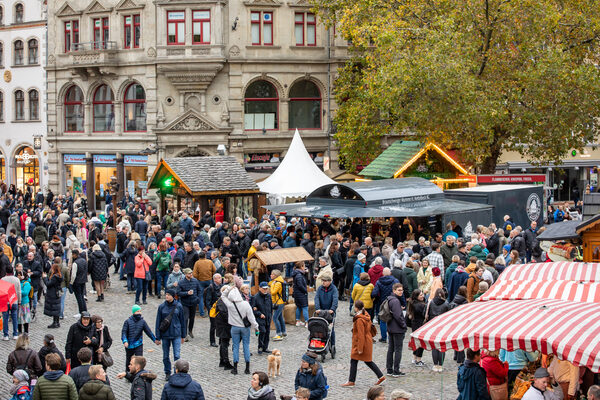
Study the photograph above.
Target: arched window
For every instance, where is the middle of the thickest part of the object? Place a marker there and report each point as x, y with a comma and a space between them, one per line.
32, 51
1, 106
19, 13
104, 110
1, 15
18, 52
305, 106
27, 168
34, 105
135, 108
74, 110
261, 105
19, 105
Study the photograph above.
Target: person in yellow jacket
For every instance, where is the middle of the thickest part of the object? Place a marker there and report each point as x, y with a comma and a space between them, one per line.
277, 285
362, 291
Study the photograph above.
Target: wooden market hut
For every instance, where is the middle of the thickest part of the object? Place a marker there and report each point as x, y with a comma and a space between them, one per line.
410, 158
213, 183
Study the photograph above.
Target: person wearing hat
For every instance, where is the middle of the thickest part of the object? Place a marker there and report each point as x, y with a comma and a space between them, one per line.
173, 334
81, 334
542, 388
20, 389
262, 306
310, 376
132, 334
189, 292
50, 347
471, 380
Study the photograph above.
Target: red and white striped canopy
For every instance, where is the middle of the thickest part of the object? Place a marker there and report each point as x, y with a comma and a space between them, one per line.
558, 271
559, 290
565, 328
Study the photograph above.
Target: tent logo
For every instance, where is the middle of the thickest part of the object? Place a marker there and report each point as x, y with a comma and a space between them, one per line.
335, 192
534, 207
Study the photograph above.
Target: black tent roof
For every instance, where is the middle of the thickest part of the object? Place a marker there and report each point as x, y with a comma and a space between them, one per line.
560, 231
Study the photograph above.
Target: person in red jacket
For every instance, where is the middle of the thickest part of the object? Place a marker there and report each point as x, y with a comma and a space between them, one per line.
497, 374
376, 271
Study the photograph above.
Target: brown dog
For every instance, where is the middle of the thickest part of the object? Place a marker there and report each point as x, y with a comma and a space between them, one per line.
274, 360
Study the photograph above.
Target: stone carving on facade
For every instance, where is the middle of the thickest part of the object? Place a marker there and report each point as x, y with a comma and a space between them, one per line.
96, 7
51, 59
128, 5
66, 11
160, 115
234, 51
175, 52
268, 3
151, 52
225, 115
201, 52
191, 123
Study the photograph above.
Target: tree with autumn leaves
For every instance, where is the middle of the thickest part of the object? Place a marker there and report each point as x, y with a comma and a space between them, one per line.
482, 76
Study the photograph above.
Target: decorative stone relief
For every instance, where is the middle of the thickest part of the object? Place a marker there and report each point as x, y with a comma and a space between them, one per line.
234, 51
192, 123
151, 52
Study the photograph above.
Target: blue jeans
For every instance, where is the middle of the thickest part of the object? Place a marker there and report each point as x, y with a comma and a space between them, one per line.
13, 313
278, 319
141, 285
203, 286
161, 280
383, 329
121, 266
238, 333
289, 268
304, 313
63, 296
130, 282
166, 344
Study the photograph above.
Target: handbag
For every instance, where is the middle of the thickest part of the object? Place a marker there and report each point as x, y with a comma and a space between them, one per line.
106, 359
245, 320
148, 276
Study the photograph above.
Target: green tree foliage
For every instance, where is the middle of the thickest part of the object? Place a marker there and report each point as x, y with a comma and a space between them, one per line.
483, 76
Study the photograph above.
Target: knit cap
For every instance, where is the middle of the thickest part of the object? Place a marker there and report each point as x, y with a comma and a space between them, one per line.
135, 308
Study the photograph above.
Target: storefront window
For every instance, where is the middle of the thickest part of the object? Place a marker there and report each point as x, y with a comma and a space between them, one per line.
135, 108
27, 169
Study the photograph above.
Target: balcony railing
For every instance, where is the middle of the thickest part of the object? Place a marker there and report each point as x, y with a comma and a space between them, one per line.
90, 46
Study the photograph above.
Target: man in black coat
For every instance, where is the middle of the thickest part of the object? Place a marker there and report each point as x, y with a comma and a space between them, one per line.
80, 374
530, 236
396, 329
141, 380
4, 263
190, 257
229, 249
189, 291
263, 308
223, 331
81, 334
33, 269
211, 294
181, 385
79, 272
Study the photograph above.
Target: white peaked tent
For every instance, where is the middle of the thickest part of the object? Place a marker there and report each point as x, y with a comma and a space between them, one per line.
296, 176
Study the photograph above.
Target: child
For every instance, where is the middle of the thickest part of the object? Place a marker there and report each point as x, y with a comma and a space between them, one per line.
302, 394
20, 389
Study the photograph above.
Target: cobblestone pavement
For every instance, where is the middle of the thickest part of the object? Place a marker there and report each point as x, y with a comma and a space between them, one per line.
218, 384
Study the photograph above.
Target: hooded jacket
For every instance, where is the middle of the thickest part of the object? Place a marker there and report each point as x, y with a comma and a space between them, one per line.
234, 302
300, 289
375, 273
383, 287
55, 385
276, 286
95, 389
458, 279
98, 266
181, 386
326, 298
317, 384
141, 385
397, 324
471, 382
77, 332
362, 291
133, 330
478, 252
362, 338
496, 370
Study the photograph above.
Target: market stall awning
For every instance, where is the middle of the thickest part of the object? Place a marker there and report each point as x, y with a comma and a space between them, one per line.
410, 197
552, 271
588, 292
568, 329
281, 256
201, 176
560, 231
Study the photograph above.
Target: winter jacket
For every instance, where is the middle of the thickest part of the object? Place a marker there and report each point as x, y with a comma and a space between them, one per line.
447, 252
212, 294
448, 273
79, 271
162, 260
40, 234
397, 324
237, 308
141, 385
181, 386
184, 287
425, 279
326, 298
276, 286
383, 288
222, 327
80, 375
44, 351
262, 305
300, 289
189, 260
204, 270
518, 359
534, 393
36, 268
58, 248
478, 252
98, 266
106, 342
128, 257
458, 300
174, 277
411, 281
22, 357
55, 385
471, 382
472, 286
75, 337
362, 291
518, 244
95, 389
349, 270
458, 279
142, 265
53, 296
375, 273
325, 271
496, 370
133, 330
418, 317
362, 338
317, 384
358, 269
437, 307
177, 329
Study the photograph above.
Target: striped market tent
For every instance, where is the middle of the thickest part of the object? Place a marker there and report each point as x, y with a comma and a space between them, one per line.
550, 307
568, 329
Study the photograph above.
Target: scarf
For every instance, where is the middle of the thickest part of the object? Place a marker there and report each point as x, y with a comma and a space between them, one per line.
257, 394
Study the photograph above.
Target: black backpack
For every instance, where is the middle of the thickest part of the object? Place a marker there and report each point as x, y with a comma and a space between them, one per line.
285, 292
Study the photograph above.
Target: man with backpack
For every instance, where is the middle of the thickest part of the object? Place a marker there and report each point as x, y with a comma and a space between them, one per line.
396, 329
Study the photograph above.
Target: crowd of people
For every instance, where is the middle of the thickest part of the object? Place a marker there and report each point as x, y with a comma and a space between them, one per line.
394, 276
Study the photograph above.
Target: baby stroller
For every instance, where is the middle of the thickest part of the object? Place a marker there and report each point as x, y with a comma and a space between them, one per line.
319, 334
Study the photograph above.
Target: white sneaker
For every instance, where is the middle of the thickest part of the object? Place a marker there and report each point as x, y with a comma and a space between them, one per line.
299, 323
92, 291
77, 316
15, 337
6, 338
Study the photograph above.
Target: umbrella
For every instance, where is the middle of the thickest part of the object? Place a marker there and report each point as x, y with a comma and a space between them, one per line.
7, 295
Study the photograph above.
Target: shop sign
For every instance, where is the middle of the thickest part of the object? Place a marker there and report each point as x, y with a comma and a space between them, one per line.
105, 159
268, 161
25, 158
143, 184
136, 160
520, 178
74, 158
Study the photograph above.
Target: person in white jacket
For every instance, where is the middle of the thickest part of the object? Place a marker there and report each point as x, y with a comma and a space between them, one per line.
539, 390
239, 311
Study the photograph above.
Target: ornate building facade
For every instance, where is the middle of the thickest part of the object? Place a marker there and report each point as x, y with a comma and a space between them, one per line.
134, 81
22, 94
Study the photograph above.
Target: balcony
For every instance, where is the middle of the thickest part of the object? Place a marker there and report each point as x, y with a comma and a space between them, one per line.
94, 58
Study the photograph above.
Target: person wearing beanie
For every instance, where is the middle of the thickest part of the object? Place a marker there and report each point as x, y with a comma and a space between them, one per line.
170, 329
310, 376
20, 389
132, 334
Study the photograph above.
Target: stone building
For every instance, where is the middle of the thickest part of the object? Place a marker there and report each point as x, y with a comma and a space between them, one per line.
22, 94
134, 81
